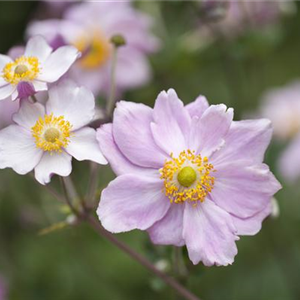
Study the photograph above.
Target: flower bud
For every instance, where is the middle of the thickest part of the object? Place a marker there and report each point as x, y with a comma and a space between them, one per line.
118, 40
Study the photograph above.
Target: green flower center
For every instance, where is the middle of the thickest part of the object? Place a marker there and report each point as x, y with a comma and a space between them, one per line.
21, 69
51, 135
187, 176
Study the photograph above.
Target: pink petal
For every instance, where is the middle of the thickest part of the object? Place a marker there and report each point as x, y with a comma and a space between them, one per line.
210, 234
247, 139
119, 163
132, 134
289, 161
133, 68
168, 230
171, 123
243, 190
53, 163
132, 202
198, 107
252, 225
18, 150
84, 146
208, 132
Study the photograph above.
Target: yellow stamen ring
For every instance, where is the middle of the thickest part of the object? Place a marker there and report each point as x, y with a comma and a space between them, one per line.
22, 69
52, 133
96, 50
187, 178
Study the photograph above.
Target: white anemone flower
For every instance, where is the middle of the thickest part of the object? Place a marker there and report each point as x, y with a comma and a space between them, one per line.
45, 138
31, 72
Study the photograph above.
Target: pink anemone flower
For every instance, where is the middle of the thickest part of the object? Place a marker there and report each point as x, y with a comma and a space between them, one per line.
189, 175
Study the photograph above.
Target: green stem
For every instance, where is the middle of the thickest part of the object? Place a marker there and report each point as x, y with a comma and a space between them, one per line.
94, 175
85, 215
112, 94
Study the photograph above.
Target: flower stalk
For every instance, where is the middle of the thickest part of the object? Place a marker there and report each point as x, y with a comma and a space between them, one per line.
83, 214
117, 41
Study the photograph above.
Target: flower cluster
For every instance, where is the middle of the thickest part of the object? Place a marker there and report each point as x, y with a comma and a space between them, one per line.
188, 175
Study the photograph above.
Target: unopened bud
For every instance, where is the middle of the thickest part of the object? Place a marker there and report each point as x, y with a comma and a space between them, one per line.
118, 40
275, 209
71, 220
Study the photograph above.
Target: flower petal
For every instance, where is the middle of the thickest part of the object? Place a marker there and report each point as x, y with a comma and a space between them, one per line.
76, 104
132, 202
28, 114
4, 59
210, 234
18, 150
119, 163
53, 163
84, 146
252, 225
289, 161
244, 190
38, 47
39, 86
6, 91
131, 130
208, 132
198, 107
168, 230
58, 63
171, 123
132, 69
247, 139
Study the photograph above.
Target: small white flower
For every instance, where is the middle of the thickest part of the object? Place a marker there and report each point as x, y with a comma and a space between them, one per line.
30, 73
45, 138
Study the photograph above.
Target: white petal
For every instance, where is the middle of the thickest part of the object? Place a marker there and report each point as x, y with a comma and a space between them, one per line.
76, 104
28, 114
38, 47
53, 163
39, 86
58, 63
6, 91
18, 150
4, 59
15, 94
84, 146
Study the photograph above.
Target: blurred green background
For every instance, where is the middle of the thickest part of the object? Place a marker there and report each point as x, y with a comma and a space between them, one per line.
75, 263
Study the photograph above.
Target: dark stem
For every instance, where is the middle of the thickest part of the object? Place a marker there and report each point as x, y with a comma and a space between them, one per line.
33, 98
67, 197
181, 290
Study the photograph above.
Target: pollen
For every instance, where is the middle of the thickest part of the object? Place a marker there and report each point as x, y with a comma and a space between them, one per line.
187, 177
95, 49
22, 69
52, 133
